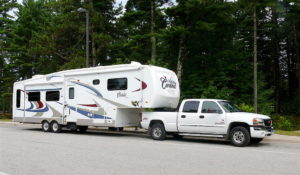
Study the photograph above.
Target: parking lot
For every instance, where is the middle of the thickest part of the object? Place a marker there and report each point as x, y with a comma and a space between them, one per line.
25, 149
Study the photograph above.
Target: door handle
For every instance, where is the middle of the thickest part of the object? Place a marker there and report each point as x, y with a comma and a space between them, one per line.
183, 116
201, 116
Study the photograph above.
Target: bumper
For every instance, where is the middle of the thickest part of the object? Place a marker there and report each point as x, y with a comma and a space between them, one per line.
144, 125
261, 132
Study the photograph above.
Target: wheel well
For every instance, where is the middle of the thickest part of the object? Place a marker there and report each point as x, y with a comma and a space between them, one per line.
154, 122
235, 124
45, 121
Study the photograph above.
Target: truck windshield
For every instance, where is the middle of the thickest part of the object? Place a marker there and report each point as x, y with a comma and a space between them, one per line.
228, 107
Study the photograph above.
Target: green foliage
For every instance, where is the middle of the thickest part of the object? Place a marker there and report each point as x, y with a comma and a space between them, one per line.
245, 108
284, 122
49, 35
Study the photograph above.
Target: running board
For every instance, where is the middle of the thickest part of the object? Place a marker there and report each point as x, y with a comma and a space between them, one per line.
202, 135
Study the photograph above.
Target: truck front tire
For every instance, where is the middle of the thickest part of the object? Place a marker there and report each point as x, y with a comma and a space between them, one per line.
240, 136
158, 132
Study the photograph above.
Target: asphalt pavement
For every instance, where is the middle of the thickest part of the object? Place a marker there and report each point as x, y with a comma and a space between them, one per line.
26, 149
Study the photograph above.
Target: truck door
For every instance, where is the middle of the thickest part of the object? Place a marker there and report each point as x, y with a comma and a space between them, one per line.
188, 119
213, 118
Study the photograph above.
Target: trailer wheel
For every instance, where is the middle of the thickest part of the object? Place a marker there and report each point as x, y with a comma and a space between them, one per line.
46, 126
82, 128
239, 136
56, 127
158, 132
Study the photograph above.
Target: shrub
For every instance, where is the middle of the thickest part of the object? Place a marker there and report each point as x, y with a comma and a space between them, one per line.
287, 123
5, 116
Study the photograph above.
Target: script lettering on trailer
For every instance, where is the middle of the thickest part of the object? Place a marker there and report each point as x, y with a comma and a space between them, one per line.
167, 83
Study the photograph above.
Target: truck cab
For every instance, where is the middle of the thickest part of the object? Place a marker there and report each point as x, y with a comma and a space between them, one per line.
209, 118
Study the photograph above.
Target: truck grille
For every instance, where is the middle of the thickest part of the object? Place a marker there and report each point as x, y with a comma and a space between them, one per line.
268, 122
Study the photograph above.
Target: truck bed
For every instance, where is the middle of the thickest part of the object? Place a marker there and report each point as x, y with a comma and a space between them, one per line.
169, 119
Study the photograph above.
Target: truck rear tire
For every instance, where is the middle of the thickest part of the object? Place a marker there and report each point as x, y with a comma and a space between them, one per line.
240, 136
46, 126
56, 127
158, 132
256, 140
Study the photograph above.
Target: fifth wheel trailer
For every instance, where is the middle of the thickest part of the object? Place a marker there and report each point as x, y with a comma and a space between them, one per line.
111, 96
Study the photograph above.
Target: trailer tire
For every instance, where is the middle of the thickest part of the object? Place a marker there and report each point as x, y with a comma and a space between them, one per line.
56, 127
46, 126
82, 129
239, 136
158, 132
256, 140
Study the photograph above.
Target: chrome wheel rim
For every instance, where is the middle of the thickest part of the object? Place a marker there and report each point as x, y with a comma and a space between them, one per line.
157, 132
46, 126
55, 126
239, 137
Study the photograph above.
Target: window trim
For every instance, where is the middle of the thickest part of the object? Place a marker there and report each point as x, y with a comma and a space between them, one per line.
39, 99
97, 81
73, 93
53, 91
221, 110
117, 89
18, 98
191, 101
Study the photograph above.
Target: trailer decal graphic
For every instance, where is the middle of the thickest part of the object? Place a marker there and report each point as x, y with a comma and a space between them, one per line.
89, 105
89, 87
87, 114
30, 109
144, 86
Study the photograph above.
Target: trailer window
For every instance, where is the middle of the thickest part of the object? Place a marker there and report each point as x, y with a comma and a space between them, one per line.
52, 96
117, 84
34, 96
96, 82
191, 106
18, 98
71, 93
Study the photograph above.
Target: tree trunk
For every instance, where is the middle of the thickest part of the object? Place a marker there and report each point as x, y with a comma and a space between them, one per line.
275, 56
153, 38
297, 57
254, 60
94, 59
180, 59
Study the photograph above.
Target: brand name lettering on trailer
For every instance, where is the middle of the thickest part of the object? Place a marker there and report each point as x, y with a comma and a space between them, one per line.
121, 94
167, 83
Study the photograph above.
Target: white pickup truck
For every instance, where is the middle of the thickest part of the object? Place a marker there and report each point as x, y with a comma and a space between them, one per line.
209, 118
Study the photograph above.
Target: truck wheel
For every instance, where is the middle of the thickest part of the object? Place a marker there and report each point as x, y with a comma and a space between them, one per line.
256, 140
82, 128
240, 136
56, 127
158, 132
46, 126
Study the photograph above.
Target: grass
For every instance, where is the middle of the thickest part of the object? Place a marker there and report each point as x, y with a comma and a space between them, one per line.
5, 120
289, 133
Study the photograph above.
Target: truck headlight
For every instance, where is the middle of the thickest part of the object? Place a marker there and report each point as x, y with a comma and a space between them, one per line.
258, 122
